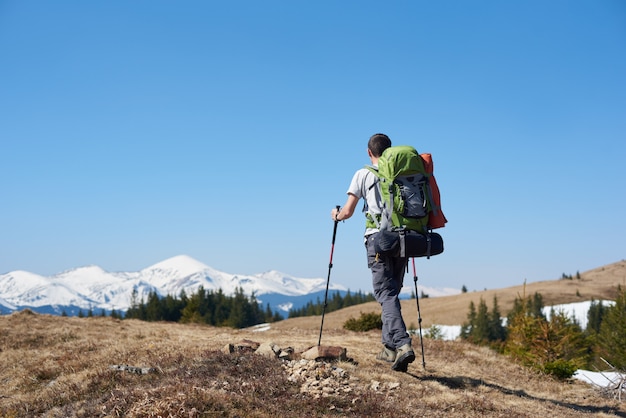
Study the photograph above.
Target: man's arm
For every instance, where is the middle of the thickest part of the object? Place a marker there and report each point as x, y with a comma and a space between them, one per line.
347, 210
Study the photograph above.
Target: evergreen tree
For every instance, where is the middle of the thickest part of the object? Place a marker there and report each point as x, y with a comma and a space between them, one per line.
153, 307
480, 328
277, 317
269, 316
194, 310
557, 346
466, 328
595, 314
530, 306
497, 332
521, 331
137, 308
611, 343
221, 311
171, 308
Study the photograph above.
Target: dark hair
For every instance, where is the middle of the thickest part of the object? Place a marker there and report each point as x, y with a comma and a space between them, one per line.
378, 143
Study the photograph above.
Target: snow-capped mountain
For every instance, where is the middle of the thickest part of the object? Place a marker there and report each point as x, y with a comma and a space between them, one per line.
91, 287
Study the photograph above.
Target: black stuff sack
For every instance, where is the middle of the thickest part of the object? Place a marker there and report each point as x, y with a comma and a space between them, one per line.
407, 244
422, 245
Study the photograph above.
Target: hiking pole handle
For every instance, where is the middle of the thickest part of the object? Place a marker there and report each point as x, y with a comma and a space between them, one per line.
332, 248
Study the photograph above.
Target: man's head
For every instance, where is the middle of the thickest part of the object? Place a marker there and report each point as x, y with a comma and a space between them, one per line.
377, 144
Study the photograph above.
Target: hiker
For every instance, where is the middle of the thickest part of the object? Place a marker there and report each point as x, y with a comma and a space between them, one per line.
387, 271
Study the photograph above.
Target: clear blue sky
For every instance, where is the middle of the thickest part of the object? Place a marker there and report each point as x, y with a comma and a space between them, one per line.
134, 131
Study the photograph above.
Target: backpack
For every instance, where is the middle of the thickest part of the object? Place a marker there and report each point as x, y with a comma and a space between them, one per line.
436, 218
410, 204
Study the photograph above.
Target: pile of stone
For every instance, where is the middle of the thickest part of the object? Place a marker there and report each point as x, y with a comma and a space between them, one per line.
320, 378
315, 369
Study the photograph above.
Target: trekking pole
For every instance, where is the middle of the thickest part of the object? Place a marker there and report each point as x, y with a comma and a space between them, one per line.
330, 266
419, 315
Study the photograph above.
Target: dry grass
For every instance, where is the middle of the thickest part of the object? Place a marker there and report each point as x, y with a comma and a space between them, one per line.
600, 283
60, 367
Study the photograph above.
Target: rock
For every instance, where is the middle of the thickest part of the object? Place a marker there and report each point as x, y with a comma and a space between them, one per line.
268, 350
286, 353
133, 369
325, 352
247, 346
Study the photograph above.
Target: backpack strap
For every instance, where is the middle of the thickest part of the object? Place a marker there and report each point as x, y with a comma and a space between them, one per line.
371, 216
385, 218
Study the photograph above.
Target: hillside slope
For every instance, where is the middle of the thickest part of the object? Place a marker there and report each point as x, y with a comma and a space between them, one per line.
598, 284
61, 367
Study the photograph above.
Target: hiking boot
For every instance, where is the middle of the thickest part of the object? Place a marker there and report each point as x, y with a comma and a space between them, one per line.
404, 356
387, 355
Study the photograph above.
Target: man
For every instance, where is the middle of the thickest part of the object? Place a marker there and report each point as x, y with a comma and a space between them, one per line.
387, 272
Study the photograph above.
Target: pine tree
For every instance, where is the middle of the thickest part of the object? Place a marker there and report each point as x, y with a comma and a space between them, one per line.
466, 328
612, 336
480, 328
137, 308
595, 314
153, 307
193, 310
557, 346
497, 332
268, 314
521, 331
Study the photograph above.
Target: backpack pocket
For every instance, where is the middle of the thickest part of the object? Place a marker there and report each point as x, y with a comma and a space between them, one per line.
412, 196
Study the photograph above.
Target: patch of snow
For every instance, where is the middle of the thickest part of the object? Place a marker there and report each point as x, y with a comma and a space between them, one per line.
260, 327
577, 311
602, 379
450, 332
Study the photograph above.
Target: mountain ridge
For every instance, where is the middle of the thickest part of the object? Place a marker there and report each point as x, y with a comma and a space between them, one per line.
93, 288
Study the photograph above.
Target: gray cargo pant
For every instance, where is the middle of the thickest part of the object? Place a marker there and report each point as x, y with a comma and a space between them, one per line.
387, 280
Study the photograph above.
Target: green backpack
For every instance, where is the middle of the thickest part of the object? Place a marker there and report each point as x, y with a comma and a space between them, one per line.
404, 190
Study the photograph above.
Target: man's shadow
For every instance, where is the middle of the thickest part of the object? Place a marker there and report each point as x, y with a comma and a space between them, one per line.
463, 382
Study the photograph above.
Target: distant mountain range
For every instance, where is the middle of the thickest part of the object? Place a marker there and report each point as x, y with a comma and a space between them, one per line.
91, 287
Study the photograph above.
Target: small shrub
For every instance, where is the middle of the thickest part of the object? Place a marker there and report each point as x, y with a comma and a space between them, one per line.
434, 332
560, 368
366, 322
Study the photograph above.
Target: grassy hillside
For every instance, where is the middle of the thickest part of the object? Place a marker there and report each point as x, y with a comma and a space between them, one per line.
61, 367
599, 283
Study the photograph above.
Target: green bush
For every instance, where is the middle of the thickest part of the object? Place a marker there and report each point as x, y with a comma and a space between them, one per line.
560, 368
366, 322
434, 332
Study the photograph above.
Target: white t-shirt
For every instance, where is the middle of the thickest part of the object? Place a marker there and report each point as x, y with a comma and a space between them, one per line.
363, 186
